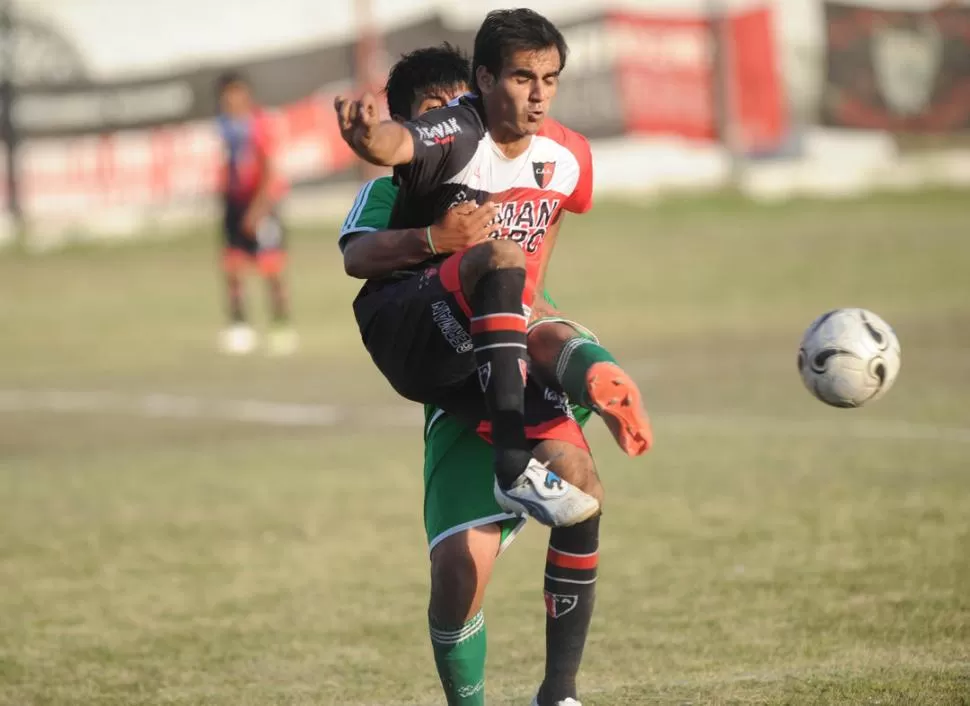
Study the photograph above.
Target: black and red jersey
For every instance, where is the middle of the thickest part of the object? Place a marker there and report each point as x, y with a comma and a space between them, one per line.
456, 160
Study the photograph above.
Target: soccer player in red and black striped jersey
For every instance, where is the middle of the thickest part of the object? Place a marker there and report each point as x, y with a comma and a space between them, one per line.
252, 230
466, 528
496, 145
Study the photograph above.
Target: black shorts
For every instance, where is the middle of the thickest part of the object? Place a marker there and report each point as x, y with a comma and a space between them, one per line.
270, 234
417, 333
266, 248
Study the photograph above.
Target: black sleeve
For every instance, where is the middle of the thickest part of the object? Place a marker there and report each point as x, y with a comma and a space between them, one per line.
445, 140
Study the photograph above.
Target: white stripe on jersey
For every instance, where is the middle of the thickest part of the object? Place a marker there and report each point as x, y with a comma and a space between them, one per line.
351, 222
488, 171
492, 316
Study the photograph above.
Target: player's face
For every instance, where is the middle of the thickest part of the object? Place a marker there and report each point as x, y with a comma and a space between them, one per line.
235, 100
518, 100
436, 98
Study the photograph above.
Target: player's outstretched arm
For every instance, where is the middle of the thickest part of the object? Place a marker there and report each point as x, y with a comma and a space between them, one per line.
378, 254
386, 144
368, 255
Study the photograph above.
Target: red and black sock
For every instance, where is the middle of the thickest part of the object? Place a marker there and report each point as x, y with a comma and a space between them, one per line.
498, 329
570, 592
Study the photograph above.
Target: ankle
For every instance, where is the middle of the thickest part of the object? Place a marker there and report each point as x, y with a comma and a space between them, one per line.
510, 463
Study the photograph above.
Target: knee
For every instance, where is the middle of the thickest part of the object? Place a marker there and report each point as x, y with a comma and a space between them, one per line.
573, 464
546, 343
491, 255
500, 254
591, 484
454, 584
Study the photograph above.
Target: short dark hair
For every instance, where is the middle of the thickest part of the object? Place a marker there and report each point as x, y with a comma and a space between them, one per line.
505, 32
230, 78
443, 66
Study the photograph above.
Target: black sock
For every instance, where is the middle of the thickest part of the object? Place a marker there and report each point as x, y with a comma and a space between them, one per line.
498, 329
570, 591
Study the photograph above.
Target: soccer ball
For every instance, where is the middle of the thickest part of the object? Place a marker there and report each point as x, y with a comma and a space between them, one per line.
849, 357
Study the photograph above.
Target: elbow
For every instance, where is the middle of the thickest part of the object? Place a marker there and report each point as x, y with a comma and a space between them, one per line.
357, 264
382, 160
387, 151
379, 159
356, 259
355, 268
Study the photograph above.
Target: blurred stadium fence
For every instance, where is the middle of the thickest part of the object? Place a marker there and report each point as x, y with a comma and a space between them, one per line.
670, 101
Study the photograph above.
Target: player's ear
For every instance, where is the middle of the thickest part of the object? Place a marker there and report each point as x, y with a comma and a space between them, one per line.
486, 82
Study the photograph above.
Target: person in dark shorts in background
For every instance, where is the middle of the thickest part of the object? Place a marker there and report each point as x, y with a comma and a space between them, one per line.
252, 230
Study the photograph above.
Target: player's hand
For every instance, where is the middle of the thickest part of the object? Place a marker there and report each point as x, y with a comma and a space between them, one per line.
250, 222
463, 226
356, 117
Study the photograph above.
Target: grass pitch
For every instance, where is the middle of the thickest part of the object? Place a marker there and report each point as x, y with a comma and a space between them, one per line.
183, 528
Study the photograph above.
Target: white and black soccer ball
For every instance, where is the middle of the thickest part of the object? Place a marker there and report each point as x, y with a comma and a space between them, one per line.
849, 357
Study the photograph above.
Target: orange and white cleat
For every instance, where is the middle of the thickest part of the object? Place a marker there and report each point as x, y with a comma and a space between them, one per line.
616, 398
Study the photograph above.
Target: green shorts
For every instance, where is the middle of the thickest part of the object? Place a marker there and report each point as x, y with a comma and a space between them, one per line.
458, 475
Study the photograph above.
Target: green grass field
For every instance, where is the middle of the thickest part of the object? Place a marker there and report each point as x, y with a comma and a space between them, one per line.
162, 542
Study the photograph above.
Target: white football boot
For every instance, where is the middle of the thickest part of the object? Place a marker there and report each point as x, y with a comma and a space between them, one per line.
567, 702
282, 341
238, 339
542, 494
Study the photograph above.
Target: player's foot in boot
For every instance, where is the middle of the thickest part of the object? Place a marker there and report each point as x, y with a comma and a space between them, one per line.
282, 341
616, 398
238, 339
542, 494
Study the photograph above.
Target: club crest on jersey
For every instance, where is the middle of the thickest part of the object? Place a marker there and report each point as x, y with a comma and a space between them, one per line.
543, 172
558, 605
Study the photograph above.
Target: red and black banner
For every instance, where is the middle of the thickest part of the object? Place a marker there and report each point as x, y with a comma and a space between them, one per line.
640, 74
900, 71
87, 144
